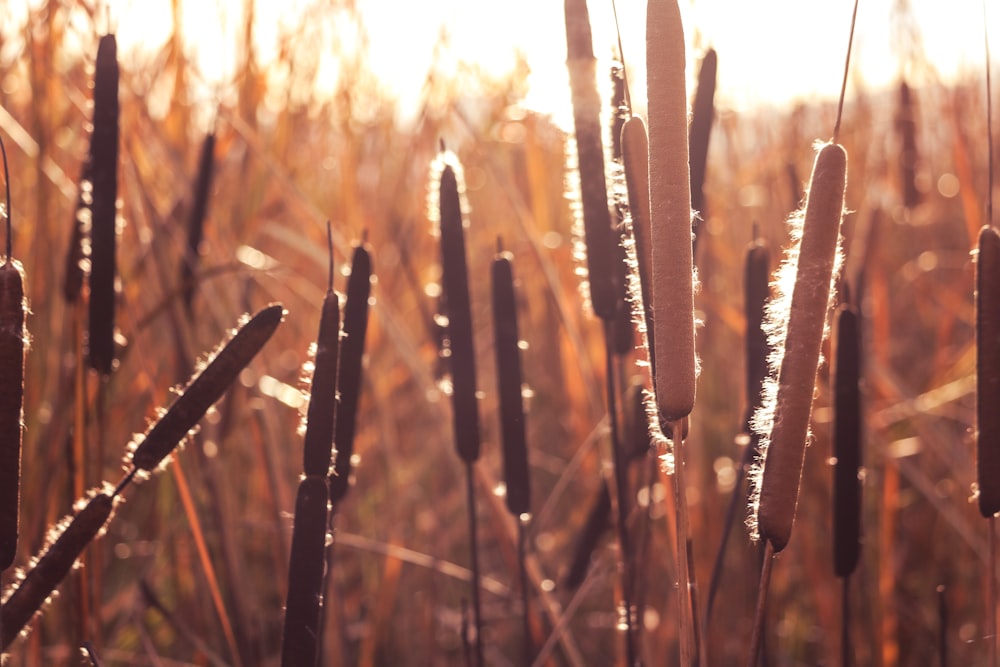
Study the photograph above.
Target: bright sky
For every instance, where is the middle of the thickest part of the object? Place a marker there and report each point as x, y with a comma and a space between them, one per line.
770, 51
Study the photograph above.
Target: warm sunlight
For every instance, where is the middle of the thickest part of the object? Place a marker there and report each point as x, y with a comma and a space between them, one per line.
770, 52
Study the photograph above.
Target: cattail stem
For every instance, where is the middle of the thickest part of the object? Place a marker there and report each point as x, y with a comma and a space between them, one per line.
529, 643
756, 639
620, 462
688, 642
991, 590
470, 496
846, 650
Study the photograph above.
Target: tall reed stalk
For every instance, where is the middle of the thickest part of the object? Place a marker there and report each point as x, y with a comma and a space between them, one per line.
460, 354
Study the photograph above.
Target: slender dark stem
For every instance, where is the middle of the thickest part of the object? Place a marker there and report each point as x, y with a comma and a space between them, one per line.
621, 496
847, 65
470, 494
688, 646
329, 252
529, 649
846, 650
621, 56
942, 626
756, 639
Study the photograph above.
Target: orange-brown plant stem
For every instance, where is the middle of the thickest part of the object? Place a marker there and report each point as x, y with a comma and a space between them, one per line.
756, 639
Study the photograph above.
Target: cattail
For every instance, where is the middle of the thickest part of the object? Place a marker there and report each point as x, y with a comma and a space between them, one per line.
988, 371
73, 278
797, 350
702, 115
352, 351
321, 414
204, 389
598, 520
300, 638
906, 125
670, 212
635, 156
508, 355
53, 564
461, 352
847, 443
12, 346
598, 232
196, 224
757, 273
103, 232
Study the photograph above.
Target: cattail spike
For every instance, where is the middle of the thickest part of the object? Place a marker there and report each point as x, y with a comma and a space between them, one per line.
352, 351
205, 389
783, 445
847, 433
670, 212
322, 410
702, 116
104, 233
196, 223
988, 371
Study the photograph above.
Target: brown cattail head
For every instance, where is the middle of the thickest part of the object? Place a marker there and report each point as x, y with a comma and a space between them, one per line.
783, 421
509, 387
847, 430
988, 371
352, 352
103, 228
635, 157
756, 291
196, 223
13, 342
70, 538
12, 346
906, 125
300, 637
204, 390
321, 414
460, 350
599, 235
670, 212
702, 116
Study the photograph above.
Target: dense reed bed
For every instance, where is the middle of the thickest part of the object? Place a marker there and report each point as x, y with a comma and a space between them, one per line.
218, 207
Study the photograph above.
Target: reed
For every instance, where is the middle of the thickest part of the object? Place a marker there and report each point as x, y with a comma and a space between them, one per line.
13, 341
67, 541
702, 117
670, 212
988, 371
349, 374
196, 221
104, 211
797, 327
206, 387
599, 234
461, 356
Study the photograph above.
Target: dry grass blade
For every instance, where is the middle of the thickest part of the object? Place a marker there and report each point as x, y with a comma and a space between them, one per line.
599, 234
52, 565
988, 371
205, 389
702, 116
103, 231
784, 452
196, 223
352, 352
670, 212
508, 355
300, 638
461, 350
12, 347
847, 430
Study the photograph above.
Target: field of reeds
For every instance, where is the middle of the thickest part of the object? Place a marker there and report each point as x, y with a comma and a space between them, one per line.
435, 423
